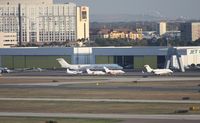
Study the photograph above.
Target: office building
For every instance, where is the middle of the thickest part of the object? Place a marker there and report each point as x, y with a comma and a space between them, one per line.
41, 21
83, 22
190, 31
162, 28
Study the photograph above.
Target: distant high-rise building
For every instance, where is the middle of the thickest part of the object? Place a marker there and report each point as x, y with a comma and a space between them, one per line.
26, 2
83, 22
190, 31
162, 28
41, 21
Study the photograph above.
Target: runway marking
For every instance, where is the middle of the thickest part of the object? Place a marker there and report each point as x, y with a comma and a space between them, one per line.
103, 100
107, 116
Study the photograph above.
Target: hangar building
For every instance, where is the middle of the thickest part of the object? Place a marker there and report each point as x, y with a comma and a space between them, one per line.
127, 57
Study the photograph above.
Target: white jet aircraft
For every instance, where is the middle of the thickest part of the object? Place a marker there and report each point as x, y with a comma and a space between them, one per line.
64, 64
158, 71
5, 70
72, 72
113, 72
95, 72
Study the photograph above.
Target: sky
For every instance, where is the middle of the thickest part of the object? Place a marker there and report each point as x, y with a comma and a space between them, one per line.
166, 8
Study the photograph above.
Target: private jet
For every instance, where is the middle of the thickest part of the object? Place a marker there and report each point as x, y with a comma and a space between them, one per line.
113, 72
95, 72
83, 67
158, 71
72, 72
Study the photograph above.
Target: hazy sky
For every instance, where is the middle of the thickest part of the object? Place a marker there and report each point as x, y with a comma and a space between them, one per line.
169, 8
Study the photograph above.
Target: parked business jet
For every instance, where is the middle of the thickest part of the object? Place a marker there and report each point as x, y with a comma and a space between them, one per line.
113, 72
95, 72
158, 71
64, 64
72, 72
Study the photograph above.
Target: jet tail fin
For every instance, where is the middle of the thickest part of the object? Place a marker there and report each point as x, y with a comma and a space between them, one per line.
63, 63
148, 68
88, 71
106, 69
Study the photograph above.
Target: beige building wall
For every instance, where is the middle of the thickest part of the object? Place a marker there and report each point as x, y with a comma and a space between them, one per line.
135, 36
117, 35
26, 2
8, 40
162, 28
44, 22
41, 23
83, 22
195, 31
1, 40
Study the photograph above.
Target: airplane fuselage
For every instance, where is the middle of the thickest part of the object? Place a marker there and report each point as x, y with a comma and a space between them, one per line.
95, 72
94, 66
162, 71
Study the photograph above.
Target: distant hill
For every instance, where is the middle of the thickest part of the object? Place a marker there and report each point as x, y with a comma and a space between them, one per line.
124, 18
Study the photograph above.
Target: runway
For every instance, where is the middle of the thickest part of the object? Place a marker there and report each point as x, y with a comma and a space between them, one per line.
100, 116
63, 73
77, 80
103, 100
88, 79
159, 121
93, 79
77, 83
64, 83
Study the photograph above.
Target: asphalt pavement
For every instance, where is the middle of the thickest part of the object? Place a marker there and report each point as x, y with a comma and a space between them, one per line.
100, 116
103, 100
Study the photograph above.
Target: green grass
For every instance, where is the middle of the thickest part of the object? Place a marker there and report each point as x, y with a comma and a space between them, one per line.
58, 120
